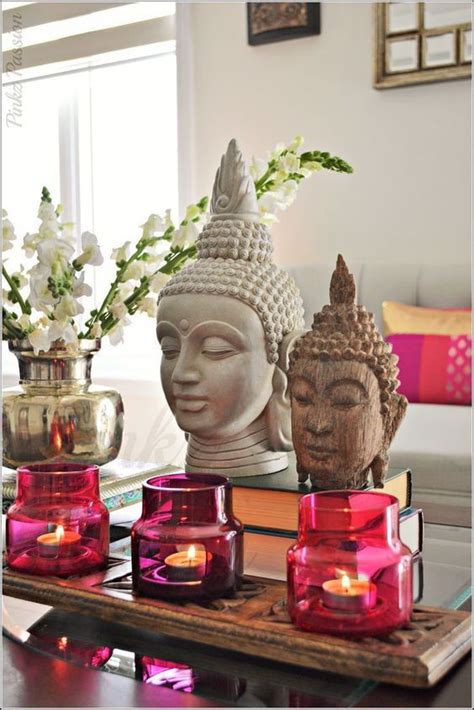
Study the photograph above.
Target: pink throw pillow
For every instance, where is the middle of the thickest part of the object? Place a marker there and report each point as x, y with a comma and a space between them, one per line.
434, 368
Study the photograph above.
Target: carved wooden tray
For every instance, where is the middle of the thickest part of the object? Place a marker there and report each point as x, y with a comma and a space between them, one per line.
254, 621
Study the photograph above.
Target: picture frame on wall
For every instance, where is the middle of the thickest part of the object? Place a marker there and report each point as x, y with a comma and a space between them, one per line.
276, 21
418, 43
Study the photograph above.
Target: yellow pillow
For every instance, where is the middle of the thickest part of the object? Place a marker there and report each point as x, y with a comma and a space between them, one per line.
401, 318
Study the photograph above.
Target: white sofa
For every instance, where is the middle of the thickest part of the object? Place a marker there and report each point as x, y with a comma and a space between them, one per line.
434, 440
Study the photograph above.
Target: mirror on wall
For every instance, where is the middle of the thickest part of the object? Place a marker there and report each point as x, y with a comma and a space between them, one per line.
421, 42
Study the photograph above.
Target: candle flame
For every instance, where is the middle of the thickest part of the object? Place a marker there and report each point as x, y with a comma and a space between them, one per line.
59, 532
62, 643
345, 582
191, 553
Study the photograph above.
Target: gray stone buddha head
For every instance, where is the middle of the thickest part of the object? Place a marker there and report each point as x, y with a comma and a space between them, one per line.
226, 324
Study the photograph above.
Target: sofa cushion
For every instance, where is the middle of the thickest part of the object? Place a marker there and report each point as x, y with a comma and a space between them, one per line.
434, 441
403, 318
434, 368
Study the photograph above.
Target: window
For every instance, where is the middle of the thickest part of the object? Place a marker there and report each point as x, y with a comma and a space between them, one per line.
100, 131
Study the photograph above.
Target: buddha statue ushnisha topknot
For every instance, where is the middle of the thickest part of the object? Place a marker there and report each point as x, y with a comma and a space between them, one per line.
226, 324
344, 400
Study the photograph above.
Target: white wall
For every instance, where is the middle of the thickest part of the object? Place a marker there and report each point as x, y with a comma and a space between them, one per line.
408, 199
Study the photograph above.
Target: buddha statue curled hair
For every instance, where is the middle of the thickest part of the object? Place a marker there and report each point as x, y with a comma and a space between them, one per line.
345, 405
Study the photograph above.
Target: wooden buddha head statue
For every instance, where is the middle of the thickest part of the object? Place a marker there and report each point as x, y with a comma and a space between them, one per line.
344, 401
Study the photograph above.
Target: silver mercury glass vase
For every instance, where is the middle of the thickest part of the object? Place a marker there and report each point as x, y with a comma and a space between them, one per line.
56, 413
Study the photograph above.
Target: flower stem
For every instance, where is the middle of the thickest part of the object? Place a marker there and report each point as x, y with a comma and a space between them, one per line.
25, 306
133, 301
9, 327
111, 292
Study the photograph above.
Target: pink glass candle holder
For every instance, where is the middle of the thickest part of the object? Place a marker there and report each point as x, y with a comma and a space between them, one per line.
57, 525
187, 544
348, 572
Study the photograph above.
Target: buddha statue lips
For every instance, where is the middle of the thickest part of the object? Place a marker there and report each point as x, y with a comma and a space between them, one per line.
345, 407
226, 324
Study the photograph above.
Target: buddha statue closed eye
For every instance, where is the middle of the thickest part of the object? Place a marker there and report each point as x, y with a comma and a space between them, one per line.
343, 381
226, 324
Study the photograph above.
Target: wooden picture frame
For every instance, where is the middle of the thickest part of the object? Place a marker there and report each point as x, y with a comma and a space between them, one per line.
386, 39
276, 21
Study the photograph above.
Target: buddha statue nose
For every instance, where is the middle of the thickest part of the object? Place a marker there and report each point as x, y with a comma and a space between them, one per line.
185, 371
319, 423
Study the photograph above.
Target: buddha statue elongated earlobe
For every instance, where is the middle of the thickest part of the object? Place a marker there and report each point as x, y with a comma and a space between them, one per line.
277, 411
379, 468
278, 414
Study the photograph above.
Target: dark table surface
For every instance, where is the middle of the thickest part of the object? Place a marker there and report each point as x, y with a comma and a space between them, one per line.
32, 679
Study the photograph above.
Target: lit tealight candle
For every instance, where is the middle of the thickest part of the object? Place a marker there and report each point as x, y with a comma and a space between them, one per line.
186, 566
351, 595
60, 543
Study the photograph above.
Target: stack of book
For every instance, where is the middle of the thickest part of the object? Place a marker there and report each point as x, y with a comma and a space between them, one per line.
268, 508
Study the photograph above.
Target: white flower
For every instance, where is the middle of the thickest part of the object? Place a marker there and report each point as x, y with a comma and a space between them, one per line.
148, 306
158, 281
277, 151
40, 296
67, 308
49, 228
8, 233
116, 334
124, 291
56, 254
257, 168
154, 225
46, 211
39, 339
289, 163
79, 288
135, 271
268, 218
269, 202
296, 144
167, 219
67, 231
121, 253
279, 177
24, 321
192, 211
91, 251
288, 192
313, 166
118, 309
278, 199
156, 253
18, 275
96, 330
30, 242
63, 331
185, 235
43, 322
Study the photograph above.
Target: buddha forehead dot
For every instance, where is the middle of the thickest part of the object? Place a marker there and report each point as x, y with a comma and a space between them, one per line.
184, 324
